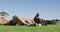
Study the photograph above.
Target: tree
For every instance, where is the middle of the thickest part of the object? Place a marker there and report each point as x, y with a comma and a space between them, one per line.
3, 13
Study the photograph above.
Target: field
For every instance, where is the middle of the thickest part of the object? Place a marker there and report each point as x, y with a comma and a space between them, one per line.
49, 28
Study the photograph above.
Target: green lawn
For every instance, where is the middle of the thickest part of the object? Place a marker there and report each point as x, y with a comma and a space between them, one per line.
49, 28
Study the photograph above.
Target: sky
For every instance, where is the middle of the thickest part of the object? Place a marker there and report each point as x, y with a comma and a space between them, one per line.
48, 9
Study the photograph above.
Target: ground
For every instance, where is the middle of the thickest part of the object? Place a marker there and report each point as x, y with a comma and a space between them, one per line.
49, 28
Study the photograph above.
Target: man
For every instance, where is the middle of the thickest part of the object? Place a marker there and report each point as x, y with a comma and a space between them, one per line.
38, 20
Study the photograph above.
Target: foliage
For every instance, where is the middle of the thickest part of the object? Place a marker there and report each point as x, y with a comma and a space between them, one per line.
3, 13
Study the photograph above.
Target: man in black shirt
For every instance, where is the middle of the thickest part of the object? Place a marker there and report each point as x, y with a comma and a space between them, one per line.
38, 20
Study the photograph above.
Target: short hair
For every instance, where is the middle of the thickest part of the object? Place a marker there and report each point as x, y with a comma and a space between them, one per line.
37, 14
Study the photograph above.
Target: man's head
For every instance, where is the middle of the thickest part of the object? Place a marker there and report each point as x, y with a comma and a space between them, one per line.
37, 15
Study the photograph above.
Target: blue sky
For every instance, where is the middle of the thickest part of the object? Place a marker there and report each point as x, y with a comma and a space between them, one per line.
48, 9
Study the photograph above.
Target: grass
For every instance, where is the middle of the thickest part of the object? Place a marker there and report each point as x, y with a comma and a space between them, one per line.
49, 28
